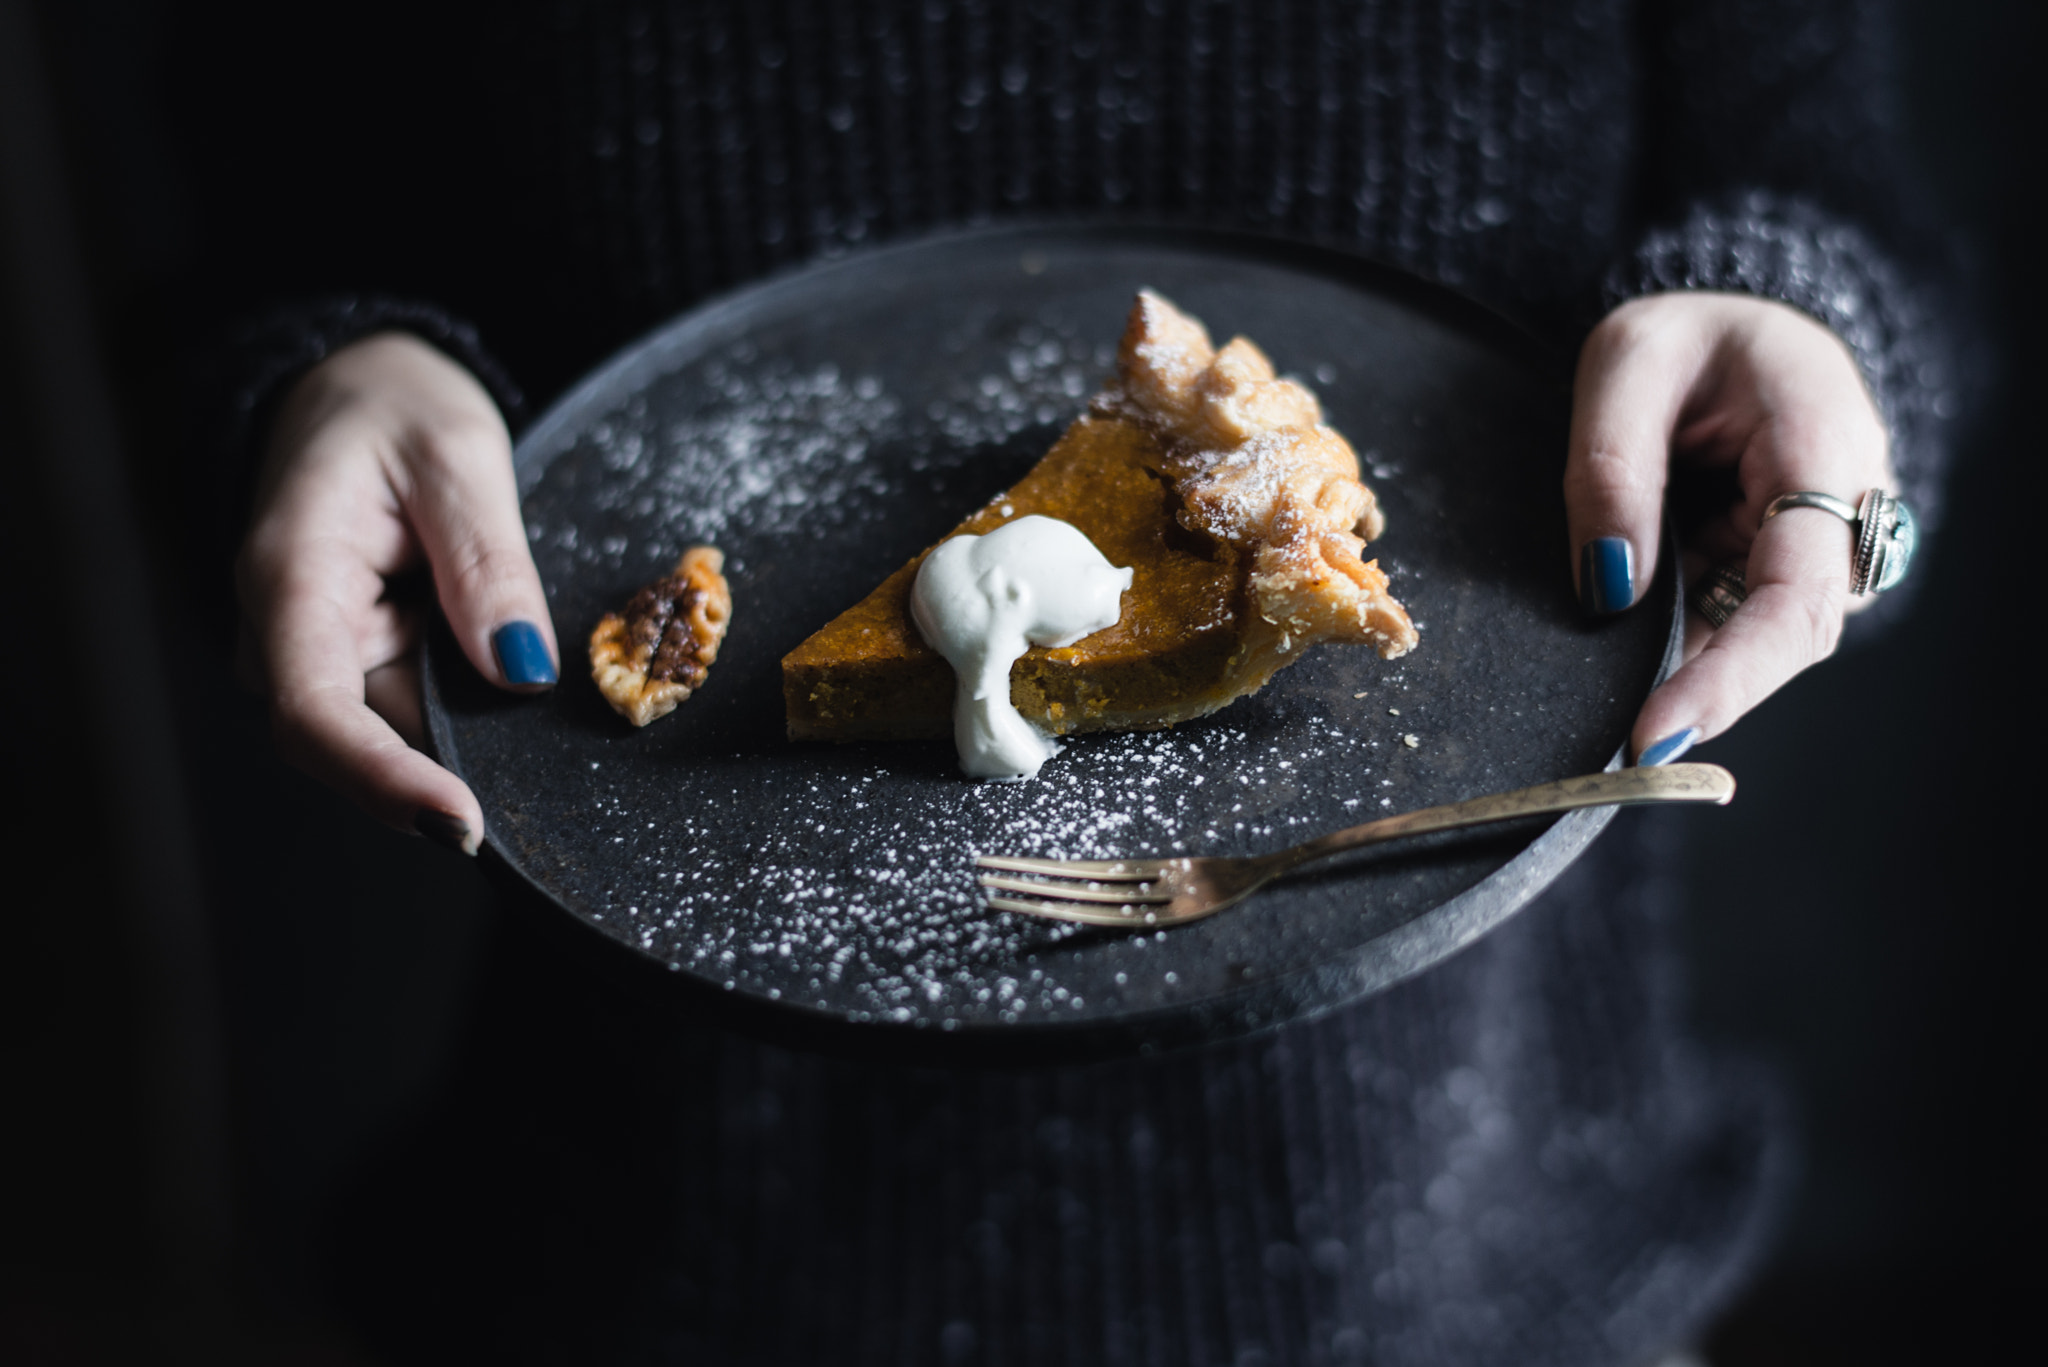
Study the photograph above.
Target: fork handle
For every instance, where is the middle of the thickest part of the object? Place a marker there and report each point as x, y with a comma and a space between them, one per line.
1618, 788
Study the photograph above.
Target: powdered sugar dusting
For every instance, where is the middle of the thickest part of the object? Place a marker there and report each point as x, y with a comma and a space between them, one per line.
1238, 487
771, 447
880, 916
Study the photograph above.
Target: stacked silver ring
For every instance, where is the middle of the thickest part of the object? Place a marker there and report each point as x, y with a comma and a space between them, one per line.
1884, 529
1719, 592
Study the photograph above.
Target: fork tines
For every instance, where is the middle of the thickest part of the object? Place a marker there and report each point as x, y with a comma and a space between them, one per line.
1074, 890
1128, 895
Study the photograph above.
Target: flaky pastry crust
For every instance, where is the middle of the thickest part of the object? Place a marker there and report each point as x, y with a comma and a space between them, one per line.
657, 652
1255, 465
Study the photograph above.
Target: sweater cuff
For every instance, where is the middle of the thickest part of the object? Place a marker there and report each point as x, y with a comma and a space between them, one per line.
270, 353
1790, 251
276, 348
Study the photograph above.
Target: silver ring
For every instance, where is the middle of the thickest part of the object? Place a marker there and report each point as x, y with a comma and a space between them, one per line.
1718, 594
1885, 533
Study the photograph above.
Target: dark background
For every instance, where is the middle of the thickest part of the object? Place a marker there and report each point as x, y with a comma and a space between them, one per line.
213, 993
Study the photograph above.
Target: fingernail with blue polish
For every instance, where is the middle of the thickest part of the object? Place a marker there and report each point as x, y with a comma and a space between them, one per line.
1670, 748
449, 832
1607, 574
522, 654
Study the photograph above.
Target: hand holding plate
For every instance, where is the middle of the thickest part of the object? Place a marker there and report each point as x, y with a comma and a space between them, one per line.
1740, 383
385, 457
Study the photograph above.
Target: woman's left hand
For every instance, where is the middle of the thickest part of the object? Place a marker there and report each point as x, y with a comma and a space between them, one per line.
1730, 381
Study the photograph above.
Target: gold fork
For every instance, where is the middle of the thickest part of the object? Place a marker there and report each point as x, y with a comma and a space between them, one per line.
1142, 893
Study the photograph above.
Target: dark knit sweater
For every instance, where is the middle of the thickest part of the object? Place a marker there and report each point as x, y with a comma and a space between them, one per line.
1515, 1158
566, 175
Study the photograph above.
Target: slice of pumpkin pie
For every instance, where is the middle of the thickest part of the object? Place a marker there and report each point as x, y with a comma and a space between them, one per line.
1239, 512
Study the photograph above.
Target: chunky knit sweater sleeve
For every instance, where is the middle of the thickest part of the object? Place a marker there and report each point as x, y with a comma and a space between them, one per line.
1773, 167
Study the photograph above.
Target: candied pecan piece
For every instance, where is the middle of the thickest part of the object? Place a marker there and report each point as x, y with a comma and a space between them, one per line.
659, 651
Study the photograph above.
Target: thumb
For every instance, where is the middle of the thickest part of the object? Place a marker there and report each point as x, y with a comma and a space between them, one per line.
463, 504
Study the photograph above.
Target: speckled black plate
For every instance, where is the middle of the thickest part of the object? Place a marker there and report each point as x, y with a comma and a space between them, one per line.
822, 428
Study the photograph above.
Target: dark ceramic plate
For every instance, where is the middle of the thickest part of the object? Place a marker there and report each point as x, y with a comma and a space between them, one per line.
825, 426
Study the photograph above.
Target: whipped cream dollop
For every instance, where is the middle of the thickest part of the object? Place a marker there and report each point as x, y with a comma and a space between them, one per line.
982, 601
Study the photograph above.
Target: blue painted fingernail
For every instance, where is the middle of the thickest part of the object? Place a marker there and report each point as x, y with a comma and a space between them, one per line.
1670, 748
1607, 574
522, 654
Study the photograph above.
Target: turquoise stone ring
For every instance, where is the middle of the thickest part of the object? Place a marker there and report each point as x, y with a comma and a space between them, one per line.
1884, 529
1885, 537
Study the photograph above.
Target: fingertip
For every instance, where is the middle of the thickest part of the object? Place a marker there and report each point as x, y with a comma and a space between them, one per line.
440, 806
343, 743
1669, 749
522, 655
448, 830
421, 798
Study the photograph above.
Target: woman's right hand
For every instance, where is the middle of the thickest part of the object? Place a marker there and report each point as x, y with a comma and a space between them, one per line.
386, 457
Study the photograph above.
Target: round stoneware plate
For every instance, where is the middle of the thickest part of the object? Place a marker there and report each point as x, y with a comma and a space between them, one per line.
825, 426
